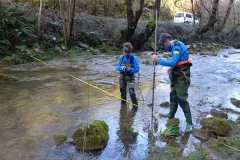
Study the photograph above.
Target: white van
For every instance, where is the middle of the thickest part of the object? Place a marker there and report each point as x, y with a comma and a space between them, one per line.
184, 17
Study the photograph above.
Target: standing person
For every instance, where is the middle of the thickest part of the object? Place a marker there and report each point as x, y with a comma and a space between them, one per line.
179, 75
127, 66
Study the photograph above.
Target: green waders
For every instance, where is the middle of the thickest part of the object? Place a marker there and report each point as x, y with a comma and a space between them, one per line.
179, 91
128, 81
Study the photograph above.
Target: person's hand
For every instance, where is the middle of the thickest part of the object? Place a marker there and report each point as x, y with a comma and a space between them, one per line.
155, 58
124, 68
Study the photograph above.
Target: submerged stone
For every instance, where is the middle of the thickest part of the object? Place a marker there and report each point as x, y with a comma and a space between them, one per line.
238, 120
127, 133
218, 113
203, 134
59, 139
218, 126
5, 78
165, 104
235, 102
96, 136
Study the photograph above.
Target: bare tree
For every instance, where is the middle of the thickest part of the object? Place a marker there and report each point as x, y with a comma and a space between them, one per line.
144, 36
193, 11
132, 21
67, 10
226, 15
212, 19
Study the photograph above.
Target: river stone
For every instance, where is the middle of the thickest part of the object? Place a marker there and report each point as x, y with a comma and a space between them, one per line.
165, 104
218, 126
203, 134
96, 52
218, 113
235, 102
96, 136
238, 120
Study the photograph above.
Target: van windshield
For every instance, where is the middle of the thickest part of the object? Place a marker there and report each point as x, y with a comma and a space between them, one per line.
179, 15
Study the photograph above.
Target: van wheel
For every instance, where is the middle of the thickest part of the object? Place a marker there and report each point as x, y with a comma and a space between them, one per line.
186, 22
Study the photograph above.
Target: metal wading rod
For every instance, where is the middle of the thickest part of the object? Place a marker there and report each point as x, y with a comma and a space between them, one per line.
154, 69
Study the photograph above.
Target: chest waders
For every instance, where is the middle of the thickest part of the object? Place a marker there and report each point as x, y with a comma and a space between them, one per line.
126, 79
180, 81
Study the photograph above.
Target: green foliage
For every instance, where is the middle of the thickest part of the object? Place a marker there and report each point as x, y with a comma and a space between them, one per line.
118, 32
7, 59
107, 49
172, 130
16, 26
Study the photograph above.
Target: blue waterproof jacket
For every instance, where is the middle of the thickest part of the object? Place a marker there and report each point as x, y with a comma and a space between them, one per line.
128, 58
179, 53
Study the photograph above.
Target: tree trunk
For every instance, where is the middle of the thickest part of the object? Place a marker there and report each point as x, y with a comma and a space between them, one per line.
132, 21
226, 15
71, 17
67, 13
193, 11
144, 36
212, 20
39, 18
62, 10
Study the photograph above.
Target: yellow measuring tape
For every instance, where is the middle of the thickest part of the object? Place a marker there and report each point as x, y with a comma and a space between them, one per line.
110, 94
100, 89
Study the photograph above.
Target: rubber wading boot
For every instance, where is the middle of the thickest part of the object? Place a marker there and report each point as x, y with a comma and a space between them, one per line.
171, 113
189, 128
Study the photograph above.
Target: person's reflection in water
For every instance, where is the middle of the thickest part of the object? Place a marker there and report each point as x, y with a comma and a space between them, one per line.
126, 132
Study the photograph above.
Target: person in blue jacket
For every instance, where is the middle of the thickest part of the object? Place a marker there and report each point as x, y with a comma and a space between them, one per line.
179, 75
127, 66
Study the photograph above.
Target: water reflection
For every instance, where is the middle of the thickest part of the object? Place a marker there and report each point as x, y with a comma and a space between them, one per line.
126, 132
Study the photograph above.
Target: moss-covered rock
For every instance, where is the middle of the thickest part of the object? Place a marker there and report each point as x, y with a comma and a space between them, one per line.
96, 136
4, 78
218, 126
173, 122
59, 139
235, 102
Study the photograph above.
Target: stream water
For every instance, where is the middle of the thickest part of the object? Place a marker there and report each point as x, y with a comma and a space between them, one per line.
47, 101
